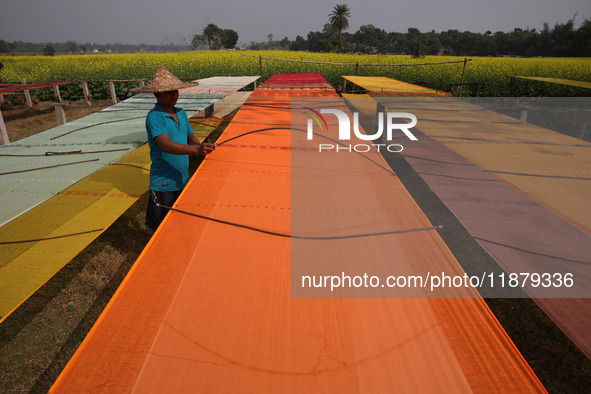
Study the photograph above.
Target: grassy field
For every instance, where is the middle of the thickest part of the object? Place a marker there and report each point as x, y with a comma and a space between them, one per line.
201, 64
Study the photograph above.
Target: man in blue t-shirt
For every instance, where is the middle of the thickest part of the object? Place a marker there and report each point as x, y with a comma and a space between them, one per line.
171, 140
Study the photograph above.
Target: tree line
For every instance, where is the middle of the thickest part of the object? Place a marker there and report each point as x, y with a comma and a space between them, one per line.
563, 39
18, 47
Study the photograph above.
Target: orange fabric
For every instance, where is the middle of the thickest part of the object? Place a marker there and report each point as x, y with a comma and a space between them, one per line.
208, 307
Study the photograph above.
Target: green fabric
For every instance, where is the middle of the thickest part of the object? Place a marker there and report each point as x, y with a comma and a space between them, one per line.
119, 129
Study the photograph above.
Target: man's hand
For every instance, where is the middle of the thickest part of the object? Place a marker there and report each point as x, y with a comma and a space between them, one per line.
205, 149
193, 148
202, 149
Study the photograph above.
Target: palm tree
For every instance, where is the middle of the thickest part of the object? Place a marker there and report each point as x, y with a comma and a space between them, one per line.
339, 18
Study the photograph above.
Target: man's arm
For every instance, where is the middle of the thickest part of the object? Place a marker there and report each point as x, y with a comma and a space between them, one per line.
193, 148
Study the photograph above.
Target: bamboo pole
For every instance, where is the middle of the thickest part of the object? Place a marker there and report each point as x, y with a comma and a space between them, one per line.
541, 89
463, 75
512, 85
56, 93
355, 64
3, 134
85, 92
113, 93
27, 94
60, 114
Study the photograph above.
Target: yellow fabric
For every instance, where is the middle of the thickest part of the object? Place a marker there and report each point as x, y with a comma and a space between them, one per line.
92, 204
579, 84
204, 126
362, 102
385, 84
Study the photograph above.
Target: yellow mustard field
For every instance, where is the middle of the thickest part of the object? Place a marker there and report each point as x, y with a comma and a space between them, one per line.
201, 64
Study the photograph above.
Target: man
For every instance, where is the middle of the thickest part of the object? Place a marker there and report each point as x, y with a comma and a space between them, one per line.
171, 140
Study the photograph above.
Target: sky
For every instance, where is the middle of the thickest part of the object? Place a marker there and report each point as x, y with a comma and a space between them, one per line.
176, 21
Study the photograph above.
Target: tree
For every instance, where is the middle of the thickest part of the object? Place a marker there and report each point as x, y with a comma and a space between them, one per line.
339, 18
49, 50
4, 48
582, 39
417, 48
72, 46
230, 39
215, 38
284, 43
197, 41
213, 35
562, 36
299, 44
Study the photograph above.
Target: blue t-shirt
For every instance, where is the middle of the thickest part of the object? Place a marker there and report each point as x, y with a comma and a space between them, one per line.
169, 172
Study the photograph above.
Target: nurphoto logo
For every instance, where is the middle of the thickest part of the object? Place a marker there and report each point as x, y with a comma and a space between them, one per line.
394, 121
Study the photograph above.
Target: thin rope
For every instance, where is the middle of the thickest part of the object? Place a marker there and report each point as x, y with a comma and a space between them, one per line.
458, 177
305, 131
294, 236
358, 64
288, 106
530, 251
97, 124
50, 238
537, 175
148, 109
79, 105
509, 142
439, 161
76, 152
470, 121
47, 167
130, 165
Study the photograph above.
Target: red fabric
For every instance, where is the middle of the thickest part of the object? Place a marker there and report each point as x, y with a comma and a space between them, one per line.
297, 81
21, 88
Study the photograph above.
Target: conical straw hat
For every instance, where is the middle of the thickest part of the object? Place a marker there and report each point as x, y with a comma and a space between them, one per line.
163, 81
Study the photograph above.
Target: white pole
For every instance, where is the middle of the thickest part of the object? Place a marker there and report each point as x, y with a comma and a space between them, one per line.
60, 114
27, 95
85, 92
3, 134
113, 93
